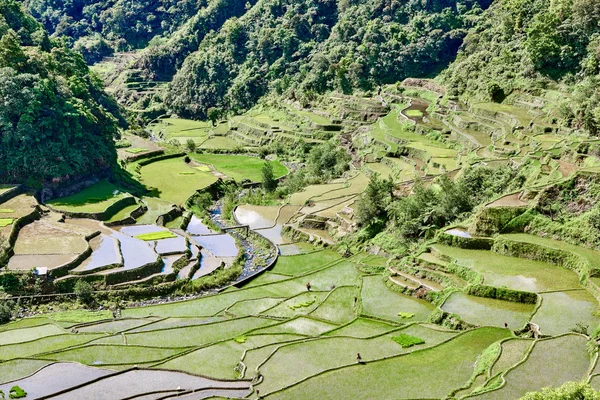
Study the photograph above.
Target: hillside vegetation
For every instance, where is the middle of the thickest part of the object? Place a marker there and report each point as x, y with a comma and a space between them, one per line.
55, 120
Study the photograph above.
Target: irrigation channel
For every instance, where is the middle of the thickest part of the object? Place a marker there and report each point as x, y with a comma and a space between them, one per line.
250, 269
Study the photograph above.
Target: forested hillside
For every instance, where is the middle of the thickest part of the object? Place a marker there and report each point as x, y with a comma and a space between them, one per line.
302, 48
55, 120
531, 45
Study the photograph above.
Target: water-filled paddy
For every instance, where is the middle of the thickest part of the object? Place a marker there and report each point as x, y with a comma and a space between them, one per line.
197, 227
218, 245
561, 311
512, 272
380, 302
105, 252
257, 216
135, 252
489, 312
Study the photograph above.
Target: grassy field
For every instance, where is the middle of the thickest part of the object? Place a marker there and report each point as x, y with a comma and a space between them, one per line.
240, 167
93, 199
173, 180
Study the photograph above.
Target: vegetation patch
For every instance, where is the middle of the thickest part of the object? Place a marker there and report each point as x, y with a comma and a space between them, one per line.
6, 222
6, 211
136, 150
405, 340
405, 315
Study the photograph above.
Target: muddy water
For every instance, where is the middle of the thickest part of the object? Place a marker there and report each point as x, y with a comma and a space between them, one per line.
417, 105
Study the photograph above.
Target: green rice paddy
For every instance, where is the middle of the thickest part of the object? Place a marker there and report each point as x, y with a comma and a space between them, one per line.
173, 180
240, 167
96, 198
156, 235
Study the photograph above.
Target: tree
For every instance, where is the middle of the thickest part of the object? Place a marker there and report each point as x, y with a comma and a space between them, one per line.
190, 144
570, 390
6, 310
214, 114
84, 291
375, 199
268, 178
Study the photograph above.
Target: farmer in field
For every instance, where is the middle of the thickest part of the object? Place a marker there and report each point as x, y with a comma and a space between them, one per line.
358, 358
308, 286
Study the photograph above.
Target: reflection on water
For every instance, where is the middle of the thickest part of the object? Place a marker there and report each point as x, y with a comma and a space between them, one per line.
218, 245
135, 252
171, 245
208, 264
134, 230
106, 253
273, 234
196, 227
458, 232
253, 218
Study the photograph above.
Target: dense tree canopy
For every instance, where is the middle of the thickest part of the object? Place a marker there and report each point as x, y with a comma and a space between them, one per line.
55, 120
530, 45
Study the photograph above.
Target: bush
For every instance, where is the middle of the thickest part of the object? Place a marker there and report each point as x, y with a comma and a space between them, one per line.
6, 311
17, 393
405, 340
83, 290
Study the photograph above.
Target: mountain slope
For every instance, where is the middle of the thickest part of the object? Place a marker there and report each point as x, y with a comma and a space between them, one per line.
56, 121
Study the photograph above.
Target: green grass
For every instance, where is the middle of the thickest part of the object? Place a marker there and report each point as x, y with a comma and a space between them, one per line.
240, 167
124, 213
6, 222
156, 235
44, 345
429, 373
363, 328
413, 113
136, 150
6, 211
513, 351
220, 142
338, 307
406, 340
196, 335
169, 184
27, 334
203, 168
95, 198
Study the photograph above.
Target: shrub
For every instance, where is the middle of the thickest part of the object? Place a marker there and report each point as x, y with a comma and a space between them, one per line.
405, 340
83, 290
6, 311
190, 144
17, 393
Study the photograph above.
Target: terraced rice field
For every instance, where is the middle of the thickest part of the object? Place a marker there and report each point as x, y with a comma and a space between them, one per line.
94, 199
239, 167
173, 180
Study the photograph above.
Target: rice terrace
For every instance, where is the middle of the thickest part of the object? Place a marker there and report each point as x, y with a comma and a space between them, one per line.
300, 199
